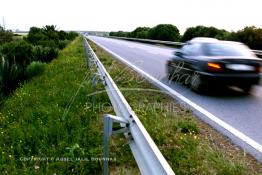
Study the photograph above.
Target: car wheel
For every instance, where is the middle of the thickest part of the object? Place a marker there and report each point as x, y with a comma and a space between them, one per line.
196, 83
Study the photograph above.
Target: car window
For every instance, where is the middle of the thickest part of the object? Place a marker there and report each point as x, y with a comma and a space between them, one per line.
186, 49
192, 49
195, 49
226, 49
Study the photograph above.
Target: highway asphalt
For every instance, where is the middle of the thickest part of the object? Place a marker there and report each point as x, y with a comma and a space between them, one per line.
243, 112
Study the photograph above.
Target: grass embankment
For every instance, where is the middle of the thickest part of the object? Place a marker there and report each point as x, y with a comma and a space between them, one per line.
47, 119
189, 145
50, 126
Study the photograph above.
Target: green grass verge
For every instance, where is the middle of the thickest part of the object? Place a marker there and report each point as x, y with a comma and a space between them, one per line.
52, 117
47, 118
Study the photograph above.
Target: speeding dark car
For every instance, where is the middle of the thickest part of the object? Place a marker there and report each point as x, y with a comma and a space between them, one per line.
205, 62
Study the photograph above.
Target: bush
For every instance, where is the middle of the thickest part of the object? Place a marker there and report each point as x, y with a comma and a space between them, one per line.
34, 69
48, 43
10, 74
51, 53
44, 54
41, 44
72, 35
18, 52
49, 36
62, 44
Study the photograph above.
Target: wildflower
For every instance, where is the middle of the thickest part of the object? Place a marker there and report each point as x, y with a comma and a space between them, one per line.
36, 167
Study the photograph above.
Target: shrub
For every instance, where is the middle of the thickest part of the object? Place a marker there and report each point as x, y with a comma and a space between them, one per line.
48, 43
18, 52
49, 36
41, 44
44, 54
34, 69
10, 74
51, 53
62, 44
72, 35
62, 35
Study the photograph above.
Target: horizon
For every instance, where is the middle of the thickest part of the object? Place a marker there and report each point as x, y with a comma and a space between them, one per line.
106, 16
25, 31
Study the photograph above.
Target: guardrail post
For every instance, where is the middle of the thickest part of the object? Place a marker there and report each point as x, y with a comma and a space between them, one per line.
108, 131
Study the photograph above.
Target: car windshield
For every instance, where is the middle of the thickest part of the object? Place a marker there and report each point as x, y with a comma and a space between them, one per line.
227, 49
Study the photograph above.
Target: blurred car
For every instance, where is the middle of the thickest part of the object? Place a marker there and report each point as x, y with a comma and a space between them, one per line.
202, 62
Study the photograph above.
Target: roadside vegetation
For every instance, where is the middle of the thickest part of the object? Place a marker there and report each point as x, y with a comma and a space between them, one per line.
53, 124
250, 35
17, 53
46, 123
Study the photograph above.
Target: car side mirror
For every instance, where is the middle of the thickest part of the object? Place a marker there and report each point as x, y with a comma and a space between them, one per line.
179, 53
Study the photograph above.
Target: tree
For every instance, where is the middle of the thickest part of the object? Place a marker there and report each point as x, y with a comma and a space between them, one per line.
166, 32
202, 31
140, 32
36, 35
119, 34
251, 36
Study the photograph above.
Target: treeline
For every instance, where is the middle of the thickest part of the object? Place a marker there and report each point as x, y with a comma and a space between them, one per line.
165, 32
21, 59
251, 36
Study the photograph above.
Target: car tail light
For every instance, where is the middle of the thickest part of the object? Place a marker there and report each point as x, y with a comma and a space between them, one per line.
258, 69
214, 66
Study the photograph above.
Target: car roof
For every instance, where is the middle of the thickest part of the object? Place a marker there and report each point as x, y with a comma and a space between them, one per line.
211, 40
203, 39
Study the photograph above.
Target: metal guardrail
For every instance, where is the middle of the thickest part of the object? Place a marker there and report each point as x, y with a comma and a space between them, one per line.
150, 41
257, 52
148, 157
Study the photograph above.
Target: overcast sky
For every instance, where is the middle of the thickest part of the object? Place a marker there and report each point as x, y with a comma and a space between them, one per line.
126, 15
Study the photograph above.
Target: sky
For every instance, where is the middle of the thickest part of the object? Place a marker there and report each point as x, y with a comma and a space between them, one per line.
126, 15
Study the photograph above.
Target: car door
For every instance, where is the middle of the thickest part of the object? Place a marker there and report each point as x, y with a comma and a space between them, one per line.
187, 58
193, 58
